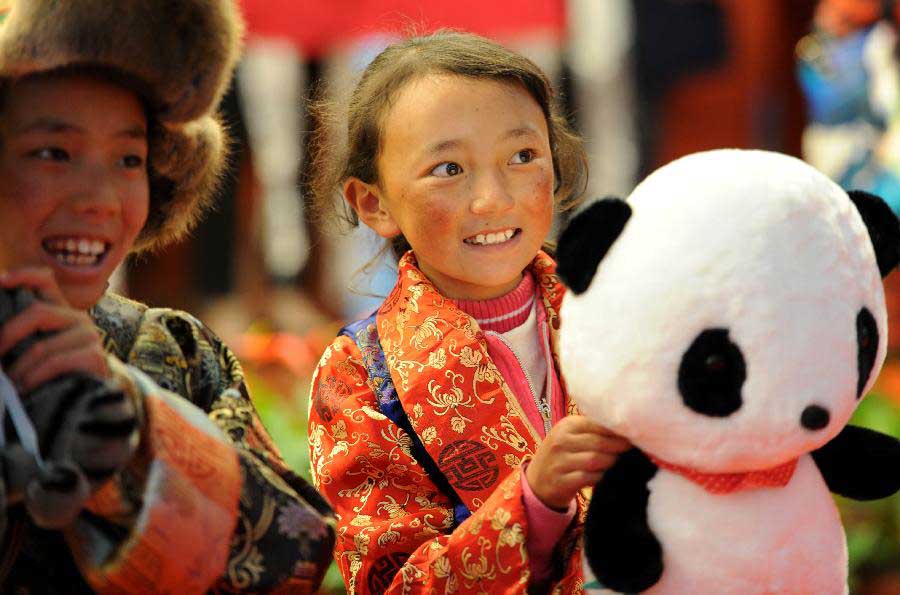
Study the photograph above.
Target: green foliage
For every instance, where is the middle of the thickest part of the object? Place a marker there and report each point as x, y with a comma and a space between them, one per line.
285, 418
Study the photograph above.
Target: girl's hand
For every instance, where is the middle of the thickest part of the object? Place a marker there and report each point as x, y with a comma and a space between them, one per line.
74, 345
574, 455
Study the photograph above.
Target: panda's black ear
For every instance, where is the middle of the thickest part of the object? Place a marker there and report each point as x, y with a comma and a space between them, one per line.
586, 240
883, 226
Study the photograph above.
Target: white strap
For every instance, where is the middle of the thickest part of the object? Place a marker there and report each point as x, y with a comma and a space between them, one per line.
21, 422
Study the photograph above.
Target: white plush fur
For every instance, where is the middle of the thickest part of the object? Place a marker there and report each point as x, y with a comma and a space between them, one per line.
786, 540
767, 247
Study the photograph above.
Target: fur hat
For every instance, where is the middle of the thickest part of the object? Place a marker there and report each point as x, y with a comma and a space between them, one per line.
181, 54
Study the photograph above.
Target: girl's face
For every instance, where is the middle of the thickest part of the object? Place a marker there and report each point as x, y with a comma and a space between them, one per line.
75, 190
466, 175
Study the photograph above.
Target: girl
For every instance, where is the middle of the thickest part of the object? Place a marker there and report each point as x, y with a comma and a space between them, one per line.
439, 427
109, 147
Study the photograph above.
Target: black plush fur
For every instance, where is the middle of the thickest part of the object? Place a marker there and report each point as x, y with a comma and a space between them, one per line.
860, 463
619, 545
883, 226
866, 348
587, 239
712, 373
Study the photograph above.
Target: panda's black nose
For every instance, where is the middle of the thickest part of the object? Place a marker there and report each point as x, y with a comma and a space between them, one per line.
814, 417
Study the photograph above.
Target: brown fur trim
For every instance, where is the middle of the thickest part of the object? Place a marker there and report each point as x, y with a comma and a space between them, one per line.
186, 164
183, 50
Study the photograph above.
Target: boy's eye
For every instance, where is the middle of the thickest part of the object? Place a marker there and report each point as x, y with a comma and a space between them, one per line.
523, 156
447, 169
50, 154
132, 161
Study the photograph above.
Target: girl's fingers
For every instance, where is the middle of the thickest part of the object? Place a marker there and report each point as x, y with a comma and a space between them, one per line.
72, 339
587, 461
580, 424
606, 442
40, 316
40, 279
575, 480
64, 362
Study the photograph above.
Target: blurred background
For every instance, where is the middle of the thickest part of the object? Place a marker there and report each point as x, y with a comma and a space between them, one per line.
645, 81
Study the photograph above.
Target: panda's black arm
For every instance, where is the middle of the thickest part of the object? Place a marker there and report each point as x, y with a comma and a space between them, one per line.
860, 463
619, 545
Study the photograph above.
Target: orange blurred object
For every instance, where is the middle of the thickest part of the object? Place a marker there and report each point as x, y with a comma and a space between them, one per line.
298, 354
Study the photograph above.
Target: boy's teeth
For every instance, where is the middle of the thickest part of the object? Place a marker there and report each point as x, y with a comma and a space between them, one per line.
76, 251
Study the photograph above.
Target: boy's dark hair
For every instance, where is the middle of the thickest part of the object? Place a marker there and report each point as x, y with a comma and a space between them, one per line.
334, 160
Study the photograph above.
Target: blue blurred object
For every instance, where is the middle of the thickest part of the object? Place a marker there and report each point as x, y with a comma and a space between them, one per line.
833, 78
865, 173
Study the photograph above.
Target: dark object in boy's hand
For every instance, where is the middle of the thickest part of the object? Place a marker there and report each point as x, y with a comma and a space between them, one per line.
86, 432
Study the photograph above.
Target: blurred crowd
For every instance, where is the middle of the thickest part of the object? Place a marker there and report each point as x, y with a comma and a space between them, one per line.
644, 81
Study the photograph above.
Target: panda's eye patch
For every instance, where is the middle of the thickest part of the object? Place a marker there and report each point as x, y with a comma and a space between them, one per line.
867, 342
715, 363
712, 373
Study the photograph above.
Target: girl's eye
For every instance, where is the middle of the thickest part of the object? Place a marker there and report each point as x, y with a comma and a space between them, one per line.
132, 161
447, 169
523, 156
50, 154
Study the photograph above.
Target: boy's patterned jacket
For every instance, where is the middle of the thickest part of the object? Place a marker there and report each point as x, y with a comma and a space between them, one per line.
207, 503
396, 529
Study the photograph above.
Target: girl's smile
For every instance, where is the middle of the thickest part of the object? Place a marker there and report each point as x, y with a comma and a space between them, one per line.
466, 175
493, 238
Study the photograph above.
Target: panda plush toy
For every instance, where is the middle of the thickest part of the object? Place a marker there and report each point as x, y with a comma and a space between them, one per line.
727, 319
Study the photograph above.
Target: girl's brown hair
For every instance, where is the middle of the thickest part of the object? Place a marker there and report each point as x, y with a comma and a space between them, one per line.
443, 52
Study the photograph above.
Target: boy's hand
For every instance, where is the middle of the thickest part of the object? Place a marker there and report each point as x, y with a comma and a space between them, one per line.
87, 425
574, 455
74, 344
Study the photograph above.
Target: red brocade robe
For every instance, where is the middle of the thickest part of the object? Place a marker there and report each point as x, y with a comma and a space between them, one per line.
395, 527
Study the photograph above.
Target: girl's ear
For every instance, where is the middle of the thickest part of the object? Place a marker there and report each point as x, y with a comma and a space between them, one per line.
367, 201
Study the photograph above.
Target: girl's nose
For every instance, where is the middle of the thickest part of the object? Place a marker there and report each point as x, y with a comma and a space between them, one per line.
491, 195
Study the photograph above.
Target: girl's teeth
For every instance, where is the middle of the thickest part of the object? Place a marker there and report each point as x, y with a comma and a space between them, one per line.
492, 238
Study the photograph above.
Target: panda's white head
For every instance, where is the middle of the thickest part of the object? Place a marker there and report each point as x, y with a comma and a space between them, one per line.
730, 315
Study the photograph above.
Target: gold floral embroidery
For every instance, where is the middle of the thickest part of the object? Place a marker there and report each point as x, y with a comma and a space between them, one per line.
477, 567
469, 357
450, 401
429, 435
426, 330
389, 507
437, 359
506, 434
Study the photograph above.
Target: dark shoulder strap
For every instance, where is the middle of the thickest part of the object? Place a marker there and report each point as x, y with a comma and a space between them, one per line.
365, 334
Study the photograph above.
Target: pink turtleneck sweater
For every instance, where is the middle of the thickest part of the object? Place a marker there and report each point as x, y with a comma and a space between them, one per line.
514, 318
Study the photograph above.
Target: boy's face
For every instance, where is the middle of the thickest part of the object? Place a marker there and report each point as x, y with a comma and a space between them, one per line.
466, 175
75, 191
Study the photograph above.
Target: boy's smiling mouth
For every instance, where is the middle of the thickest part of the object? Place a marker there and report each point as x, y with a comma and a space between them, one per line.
491, 238
76, 250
